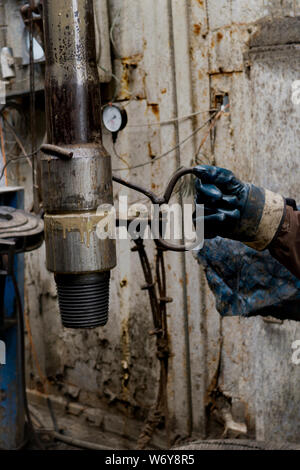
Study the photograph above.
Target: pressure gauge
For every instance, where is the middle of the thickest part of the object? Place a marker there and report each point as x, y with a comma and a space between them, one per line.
114, 118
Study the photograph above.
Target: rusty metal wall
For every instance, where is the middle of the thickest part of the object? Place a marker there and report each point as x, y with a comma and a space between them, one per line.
173, 58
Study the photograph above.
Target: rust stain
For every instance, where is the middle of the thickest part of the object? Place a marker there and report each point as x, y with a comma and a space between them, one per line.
151, 153
200, 75
128, 63
163, 91
124, 282
155, 109
124, 92
219, 36
200, 2
132, 60
197, 29
192, 52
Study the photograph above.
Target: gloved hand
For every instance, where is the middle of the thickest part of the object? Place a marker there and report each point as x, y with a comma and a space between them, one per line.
237, 210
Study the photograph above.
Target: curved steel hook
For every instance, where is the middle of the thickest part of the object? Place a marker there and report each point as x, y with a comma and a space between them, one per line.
163, 200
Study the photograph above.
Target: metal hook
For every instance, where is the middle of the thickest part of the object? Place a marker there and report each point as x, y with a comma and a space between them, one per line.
163, 200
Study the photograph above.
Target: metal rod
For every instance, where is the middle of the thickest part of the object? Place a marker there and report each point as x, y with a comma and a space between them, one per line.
49, 149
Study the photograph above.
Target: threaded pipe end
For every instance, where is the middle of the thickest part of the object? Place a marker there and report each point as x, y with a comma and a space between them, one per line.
83, 299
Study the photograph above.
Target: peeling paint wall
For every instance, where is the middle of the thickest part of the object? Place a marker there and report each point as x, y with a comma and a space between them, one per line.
173, 58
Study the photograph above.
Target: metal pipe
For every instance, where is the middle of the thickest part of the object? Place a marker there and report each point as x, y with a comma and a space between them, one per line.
74, 188
73, 103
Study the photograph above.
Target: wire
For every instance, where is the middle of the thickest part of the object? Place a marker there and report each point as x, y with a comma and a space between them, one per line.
20, 144
98, 38
214, 117
18, 140
169, 151
112, 74
116, 88
3, 154
16, 159
119, 156
170, 121
211, 127
111, 34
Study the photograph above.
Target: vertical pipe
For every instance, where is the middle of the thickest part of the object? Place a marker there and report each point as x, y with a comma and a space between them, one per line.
73, 103
73, 190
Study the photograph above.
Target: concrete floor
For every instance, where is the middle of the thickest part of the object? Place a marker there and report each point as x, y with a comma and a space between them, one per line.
79, 428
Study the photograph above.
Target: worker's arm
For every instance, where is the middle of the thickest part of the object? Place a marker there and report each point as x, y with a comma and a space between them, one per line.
286, 245
242, 211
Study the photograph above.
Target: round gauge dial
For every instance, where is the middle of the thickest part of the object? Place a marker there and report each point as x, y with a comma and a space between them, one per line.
114, 118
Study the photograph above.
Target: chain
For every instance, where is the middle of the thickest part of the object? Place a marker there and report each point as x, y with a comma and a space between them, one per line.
158, 301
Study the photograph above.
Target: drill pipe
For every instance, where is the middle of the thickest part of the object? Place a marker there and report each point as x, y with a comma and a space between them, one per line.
73, 188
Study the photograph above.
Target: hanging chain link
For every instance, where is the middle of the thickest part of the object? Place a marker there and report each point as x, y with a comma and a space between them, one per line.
157, 291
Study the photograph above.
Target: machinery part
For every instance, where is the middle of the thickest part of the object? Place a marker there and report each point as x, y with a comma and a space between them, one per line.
78, 184
114, 118
76, 169
160, 200
73, 103
56, 151
83, 299
26, 229
19, 232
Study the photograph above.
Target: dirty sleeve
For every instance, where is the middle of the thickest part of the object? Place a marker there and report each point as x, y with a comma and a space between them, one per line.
285, 246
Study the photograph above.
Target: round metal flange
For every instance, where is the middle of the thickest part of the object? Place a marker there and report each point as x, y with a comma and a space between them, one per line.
11, 218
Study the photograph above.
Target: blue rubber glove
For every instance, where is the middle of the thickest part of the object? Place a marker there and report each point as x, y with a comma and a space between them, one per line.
234, 209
